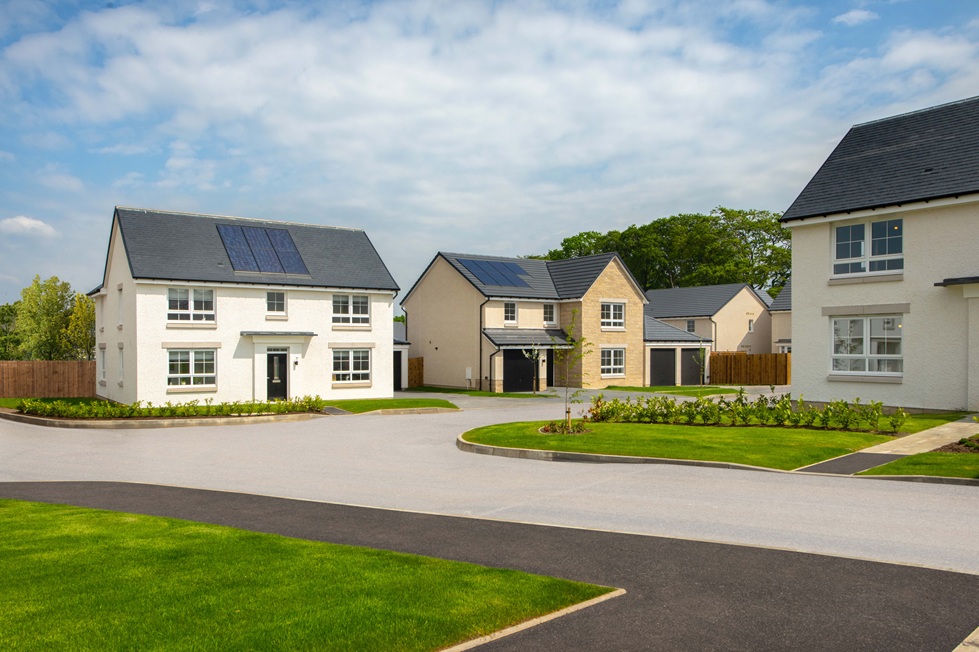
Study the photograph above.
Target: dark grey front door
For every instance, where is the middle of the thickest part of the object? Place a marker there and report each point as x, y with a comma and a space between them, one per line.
397, 371
662, 367
278, 375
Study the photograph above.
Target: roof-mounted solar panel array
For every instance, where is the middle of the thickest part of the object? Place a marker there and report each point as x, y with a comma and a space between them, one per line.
494, 272
256, 249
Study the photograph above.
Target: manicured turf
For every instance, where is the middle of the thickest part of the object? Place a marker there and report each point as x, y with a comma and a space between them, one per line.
473, 392
949, 465
919, 422
775, 448
370, 404
80, 579
679, 390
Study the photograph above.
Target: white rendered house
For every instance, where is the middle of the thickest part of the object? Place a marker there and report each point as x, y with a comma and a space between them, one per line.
885, 264
232, 309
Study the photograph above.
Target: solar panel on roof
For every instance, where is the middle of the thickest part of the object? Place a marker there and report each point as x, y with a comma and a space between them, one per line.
237, 247
289, 256
515, 268
494, 272
262, 249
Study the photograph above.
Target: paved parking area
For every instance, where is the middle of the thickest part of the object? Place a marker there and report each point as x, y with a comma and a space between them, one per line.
681, 595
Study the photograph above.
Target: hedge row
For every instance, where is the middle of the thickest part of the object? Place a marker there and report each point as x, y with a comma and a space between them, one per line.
739, 411
207, 408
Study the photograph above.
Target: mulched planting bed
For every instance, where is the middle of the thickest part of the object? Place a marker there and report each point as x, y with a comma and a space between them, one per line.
959, 447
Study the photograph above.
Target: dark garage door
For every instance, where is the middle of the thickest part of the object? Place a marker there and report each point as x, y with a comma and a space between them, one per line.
662, 367
518, 372
689, 367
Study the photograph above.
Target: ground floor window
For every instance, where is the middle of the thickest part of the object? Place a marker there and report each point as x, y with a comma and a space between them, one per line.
192, 367
868, 344
613, 362
351, 365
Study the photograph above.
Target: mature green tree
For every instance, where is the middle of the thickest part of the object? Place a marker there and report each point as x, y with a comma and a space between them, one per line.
9, 341
79, 335
765, 246
43, 318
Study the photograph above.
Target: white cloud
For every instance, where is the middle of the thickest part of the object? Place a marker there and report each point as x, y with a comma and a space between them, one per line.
7, 157
26, 226
855, 17
51, 177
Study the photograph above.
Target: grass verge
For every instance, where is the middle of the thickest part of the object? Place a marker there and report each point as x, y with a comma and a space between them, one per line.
948, 465
473, 392
770, 447
919, 422
359, 406
678, 390
77, 578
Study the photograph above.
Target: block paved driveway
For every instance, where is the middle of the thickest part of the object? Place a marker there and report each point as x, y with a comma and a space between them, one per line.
720, 593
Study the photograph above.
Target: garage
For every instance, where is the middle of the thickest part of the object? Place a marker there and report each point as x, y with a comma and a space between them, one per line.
690, 367
662, 367
518, 371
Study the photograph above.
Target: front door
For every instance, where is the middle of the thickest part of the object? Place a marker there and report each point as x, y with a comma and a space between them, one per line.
278, 375
397, 371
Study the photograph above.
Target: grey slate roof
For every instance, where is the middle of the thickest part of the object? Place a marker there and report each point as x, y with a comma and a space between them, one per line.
701, 301
657, 331
927, 154
164, 245
784, 299
400, 333
546, 279
544, 338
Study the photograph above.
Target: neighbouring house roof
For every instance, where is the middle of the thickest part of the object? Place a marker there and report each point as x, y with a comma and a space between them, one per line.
164, 245
700, 301
529, 278
784, 299
657, 331
400, 333
924, 155
543, 338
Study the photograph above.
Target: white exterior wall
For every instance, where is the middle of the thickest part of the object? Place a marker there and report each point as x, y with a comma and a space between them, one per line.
781, 328
116, 327
241, 360
941, 364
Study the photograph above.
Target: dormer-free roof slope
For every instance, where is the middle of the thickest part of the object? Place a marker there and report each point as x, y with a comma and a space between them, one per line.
924, 155
164, 245
784, 299
700, 301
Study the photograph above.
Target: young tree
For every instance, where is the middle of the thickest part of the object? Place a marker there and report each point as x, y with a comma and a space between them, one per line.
566, 358
79, 335
42, 319
534, 354
9, 341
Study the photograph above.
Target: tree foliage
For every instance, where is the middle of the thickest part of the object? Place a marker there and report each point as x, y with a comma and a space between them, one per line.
54, 323
690, 249
9, 340
79, 335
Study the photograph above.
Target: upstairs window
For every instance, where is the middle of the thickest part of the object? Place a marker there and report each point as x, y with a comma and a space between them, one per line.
185, 304
351, 309
275, 303
691, 326
549, 314
613, 315
510, 312
885, 253
751, 325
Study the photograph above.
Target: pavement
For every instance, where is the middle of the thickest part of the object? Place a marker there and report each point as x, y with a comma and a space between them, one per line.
680, 594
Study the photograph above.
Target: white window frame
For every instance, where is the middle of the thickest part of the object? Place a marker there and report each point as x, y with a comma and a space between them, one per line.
613, 314
553, 320
691, 325
612, 362
200, 371
865, 258
351, 309
195, 305
751, 325
351, 366
269, 303
102, 372
860, 362
509, 312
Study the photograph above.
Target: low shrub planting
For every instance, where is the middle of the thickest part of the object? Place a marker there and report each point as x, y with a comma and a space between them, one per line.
739, 411
108, 410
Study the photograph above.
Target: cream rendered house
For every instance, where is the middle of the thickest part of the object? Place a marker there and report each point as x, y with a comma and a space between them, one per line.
781, 313
733, 317
885, 264
472, 318
231, 309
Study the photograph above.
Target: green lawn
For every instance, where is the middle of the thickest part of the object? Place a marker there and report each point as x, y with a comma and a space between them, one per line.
80, 579
473, 392
776, 448
919, 422
950, 465
679, 390
370, 404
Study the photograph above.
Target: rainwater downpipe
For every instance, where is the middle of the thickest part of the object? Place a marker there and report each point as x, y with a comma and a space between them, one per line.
481, 318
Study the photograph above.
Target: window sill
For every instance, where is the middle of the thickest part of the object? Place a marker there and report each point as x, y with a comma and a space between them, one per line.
101, 383
550, 324
120, 384
276, 317
351, 327
510, 324
350, 384
204, 325
192, 389
119, 327
620, 329
865, 278
864, 378
622, 375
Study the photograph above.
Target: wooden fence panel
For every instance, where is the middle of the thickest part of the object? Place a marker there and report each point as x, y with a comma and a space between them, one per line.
416, 372
44, 378
751, 368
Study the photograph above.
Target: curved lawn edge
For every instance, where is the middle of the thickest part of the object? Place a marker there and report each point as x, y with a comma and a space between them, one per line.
593, 458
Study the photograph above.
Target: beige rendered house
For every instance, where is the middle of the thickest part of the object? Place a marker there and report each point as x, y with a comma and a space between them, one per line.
734, 317
885, 264
781, 312
472, 318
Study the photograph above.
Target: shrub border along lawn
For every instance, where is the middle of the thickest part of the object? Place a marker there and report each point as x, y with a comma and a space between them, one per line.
77, 578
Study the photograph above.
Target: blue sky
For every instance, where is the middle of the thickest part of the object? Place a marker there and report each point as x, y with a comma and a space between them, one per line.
480, 127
